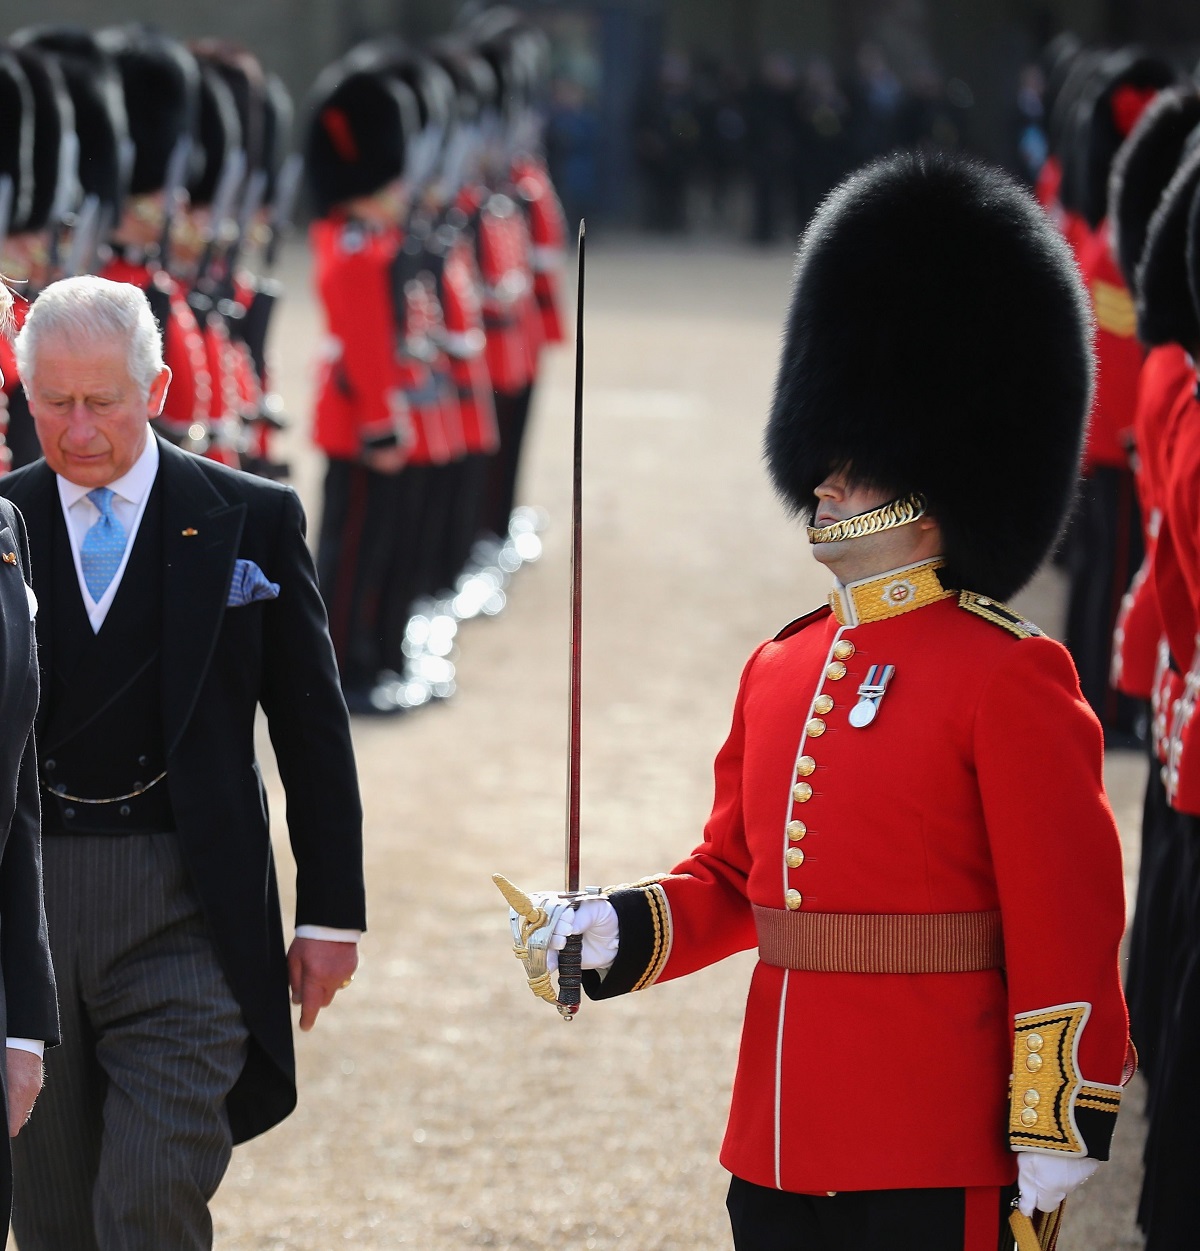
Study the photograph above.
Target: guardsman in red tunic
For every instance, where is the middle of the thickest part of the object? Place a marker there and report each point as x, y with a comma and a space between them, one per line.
1142, 170
910, 821
1169, 970
1106, 538
355, 148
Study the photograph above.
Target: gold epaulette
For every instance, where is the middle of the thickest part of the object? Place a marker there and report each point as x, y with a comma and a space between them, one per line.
998, 614
1115, 311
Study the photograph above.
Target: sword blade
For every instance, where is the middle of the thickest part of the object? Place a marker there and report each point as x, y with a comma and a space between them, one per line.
573, 721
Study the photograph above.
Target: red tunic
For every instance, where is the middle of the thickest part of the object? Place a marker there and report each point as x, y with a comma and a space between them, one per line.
463, 340
977, 788
360, 398
548, 240
1119, 356
1165, 378
509, 312
1181, 609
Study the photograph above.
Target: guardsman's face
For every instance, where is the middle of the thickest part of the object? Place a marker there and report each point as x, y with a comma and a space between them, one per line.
89, 412
838, 499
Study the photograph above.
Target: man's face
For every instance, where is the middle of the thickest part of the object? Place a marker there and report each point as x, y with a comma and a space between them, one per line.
89, 413
839, 498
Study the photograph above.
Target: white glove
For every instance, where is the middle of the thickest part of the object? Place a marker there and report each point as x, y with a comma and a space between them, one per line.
1045, 1180
595, 920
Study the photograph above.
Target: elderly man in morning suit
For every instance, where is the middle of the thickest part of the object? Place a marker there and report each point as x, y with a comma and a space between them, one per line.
28, 1009
177, 597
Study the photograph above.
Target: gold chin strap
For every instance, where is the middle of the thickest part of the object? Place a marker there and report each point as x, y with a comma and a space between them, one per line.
886, 517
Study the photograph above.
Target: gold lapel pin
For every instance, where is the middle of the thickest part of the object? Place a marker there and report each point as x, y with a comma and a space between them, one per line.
9, 558
190, 533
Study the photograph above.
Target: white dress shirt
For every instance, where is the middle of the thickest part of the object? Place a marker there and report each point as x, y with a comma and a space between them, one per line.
130, 493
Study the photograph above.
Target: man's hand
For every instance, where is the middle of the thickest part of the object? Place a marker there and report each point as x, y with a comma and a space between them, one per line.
387, 460
317, 970
1046, 1180
23, 1077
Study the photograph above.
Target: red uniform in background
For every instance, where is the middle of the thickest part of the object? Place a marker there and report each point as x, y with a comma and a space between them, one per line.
1165, 376
548, 240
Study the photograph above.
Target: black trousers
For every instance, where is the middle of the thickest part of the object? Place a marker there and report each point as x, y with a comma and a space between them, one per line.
1104, 553
512, 418
949, 1219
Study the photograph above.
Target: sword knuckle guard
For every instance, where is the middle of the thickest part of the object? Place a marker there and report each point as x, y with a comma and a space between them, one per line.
533, 928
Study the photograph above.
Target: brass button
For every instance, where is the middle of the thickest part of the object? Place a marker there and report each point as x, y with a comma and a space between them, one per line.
1035, 1042
823, 704
836, 671
815, 728
802, 792
1033, 1063
983, 599
793, 857
843, 649
796, 830
793, 899
831, 1194
1031, 1098
1029, 1117
805, 766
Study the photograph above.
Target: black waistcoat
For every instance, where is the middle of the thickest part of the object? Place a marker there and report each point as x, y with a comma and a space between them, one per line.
102, 733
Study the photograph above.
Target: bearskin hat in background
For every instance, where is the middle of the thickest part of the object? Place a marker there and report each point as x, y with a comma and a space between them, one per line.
938, 341
277, 131
1143, 167
161, 82
220, 135
1193, 252
55, 148
1064, 126
359, 125
1165, 313
16, 136
242, 72
1117, 95
105, 149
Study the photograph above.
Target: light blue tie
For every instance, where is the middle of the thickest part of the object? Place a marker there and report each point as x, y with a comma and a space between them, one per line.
103, 546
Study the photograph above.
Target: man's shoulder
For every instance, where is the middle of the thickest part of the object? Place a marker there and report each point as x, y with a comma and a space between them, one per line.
802, 623
234, 485
23, 484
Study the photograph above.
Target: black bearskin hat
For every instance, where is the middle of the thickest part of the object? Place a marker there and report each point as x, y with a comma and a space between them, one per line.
105, 149
161, 82
242, 73
277, 132
359, 124
16, 137
1193, 252
1164, 303
1143, 167
220, 135
55, 148
938, 341
1116, 96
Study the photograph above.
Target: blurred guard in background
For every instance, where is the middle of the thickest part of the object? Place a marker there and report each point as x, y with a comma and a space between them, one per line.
356, 138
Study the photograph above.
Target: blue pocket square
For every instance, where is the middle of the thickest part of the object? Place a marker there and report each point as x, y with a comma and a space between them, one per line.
249, 585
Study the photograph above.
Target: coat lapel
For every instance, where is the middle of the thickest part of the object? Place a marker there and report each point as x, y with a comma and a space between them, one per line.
37, 503
201, 532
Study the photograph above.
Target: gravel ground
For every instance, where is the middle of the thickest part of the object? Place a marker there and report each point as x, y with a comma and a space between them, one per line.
441, 1106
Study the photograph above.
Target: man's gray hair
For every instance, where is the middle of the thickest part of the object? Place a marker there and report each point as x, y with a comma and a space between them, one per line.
88, 311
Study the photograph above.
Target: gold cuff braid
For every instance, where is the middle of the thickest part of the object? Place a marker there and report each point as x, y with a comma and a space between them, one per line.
899, 512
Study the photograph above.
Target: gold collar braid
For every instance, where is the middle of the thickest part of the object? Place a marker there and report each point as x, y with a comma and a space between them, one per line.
886, 517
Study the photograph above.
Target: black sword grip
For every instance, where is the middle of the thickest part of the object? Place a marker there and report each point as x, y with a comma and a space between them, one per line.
570, 972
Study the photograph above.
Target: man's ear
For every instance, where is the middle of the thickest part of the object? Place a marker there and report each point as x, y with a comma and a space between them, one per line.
158, 391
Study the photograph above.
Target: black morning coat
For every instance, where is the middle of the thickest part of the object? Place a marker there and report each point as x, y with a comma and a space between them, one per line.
28, 1006
218, 665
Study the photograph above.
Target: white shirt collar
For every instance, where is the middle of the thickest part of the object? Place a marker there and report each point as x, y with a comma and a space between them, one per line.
132, 486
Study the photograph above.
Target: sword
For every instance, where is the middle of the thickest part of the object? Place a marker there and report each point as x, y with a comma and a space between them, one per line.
533, 927
570, 972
